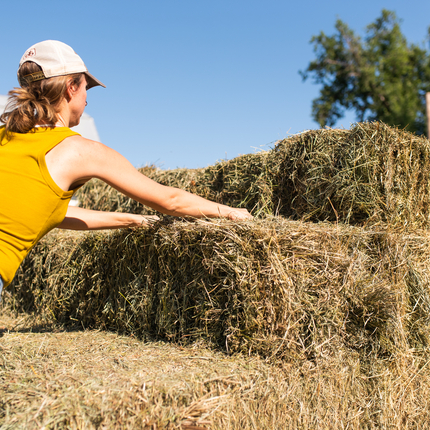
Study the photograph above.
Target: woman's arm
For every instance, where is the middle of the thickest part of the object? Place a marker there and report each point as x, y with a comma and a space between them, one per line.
85, 219
76, 160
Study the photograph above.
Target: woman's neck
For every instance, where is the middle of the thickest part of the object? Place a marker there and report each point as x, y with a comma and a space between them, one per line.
63, 115
61, 122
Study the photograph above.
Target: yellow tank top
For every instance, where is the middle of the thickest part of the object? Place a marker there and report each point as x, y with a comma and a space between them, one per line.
31, 203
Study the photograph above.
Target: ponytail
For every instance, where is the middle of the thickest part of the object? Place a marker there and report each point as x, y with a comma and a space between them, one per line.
35, 102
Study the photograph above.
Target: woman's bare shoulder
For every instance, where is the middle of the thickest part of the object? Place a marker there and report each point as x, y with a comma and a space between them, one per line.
78, 149
78, 142
90, 157
76, 160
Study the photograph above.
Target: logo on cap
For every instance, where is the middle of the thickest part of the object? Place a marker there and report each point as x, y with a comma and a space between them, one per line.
30, 53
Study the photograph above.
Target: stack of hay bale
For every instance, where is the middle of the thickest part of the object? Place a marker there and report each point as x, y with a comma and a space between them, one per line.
336, 259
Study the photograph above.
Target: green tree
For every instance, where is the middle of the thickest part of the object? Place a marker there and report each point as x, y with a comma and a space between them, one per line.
380, 78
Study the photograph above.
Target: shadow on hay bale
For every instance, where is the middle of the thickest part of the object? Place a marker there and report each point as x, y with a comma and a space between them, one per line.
370, 174
271, 287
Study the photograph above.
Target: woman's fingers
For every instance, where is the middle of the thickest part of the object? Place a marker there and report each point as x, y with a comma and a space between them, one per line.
148, 220
239, 214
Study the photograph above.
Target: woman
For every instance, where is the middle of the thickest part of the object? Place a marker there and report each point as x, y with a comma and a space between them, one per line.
43, 162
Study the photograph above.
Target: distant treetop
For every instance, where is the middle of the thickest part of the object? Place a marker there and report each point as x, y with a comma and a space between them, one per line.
379, 78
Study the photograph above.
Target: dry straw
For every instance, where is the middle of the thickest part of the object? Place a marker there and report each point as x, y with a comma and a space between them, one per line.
92, 380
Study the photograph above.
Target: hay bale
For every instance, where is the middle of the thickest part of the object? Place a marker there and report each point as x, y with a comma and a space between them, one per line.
272, 287
370, 174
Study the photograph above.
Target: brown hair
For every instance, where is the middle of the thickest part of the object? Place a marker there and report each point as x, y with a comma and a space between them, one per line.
36, 102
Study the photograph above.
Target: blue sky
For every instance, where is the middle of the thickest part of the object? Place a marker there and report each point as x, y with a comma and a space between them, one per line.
190, 82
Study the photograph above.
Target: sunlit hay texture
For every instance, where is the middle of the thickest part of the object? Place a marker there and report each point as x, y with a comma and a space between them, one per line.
370, 174
272, 287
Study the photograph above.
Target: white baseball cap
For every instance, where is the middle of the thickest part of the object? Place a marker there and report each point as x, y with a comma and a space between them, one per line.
56, 59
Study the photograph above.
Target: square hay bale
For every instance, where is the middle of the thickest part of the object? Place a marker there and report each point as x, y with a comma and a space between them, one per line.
272, 287
370, 174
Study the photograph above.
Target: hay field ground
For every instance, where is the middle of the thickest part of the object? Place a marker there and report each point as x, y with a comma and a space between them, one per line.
91, 379
314, 315
79, 379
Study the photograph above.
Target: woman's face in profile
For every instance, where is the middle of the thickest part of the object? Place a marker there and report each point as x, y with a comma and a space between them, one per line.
77, 103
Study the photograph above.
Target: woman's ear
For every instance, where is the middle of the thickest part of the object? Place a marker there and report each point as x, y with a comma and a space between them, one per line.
70, 90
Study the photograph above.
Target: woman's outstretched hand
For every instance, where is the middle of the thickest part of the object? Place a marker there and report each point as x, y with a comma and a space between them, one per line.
149, 220
239, 214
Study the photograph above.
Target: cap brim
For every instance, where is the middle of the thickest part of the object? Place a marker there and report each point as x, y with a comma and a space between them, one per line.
92, 81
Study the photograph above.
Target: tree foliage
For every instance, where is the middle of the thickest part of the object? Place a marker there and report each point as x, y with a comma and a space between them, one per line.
379, 78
